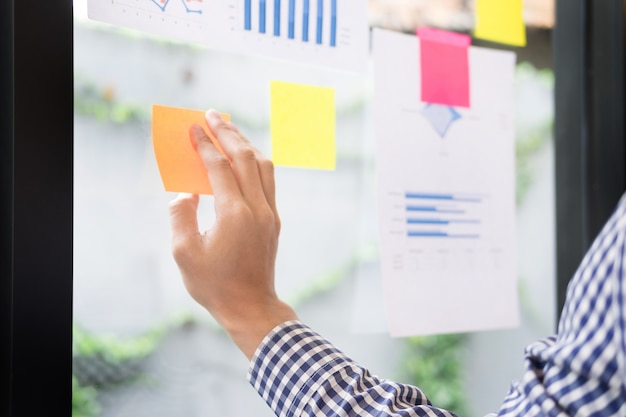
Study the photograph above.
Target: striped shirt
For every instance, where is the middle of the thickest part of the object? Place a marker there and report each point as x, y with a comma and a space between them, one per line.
580, 372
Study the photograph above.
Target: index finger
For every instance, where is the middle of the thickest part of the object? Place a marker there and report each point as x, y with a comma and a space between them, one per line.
242, 156
221, 175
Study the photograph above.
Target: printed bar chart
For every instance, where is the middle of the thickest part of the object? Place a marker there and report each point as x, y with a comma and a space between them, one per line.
443, 234
326, 33
248, 14
262, 10
333, 23
439, 221
436, 196
292, 19
305, 21
320, 22
434, 208
324, 26
276, 17
443, 215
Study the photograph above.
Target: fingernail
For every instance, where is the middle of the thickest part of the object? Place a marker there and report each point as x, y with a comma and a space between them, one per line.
213, 117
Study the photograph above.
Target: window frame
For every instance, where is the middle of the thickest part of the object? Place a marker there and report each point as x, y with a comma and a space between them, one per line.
589, 126
36, 154
36, 182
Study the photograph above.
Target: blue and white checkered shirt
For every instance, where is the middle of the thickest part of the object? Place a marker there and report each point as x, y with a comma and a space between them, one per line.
580, 372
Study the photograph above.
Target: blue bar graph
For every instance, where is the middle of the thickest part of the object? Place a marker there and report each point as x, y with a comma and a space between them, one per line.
444, 215
320, 20
434, 209
333, 23
305, 21
262, 9
441, 234
292, 19
441, 221
276, 17
248, 15
284, 21
437, 196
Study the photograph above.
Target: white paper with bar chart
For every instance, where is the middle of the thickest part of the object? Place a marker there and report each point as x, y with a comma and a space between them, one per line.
446, 194
327, 33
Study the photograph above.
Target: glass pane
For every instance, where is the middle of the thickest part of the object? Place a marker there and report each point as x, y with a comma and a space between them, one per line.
142, 347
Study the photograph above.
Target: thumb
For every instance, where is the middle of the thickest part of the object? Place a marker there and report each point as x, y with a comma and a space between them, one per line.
184, 222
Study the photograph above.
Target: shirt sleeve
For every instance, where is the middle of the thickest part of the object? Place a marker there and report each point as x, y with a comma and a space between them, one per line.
580, 372
299, 373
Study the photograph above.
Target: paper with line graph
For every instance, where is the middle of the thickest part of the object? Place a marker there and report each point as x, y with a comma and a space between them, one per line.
329, 33
446, 195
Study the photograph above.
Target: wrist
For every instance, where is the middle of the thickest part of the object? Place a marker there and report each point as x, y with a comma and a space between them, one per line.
248, 330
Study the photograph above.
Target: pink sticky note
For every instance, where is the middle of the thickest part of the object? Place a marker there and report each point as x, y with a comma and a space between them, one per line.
445, 67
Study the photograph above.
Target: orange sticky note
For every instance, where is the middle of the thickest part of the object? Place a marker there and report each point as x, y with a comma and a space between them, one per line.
179, 164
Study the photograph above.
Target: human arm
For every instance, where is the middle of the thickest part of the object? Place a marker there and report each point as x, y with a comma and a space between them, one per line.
229, 269
300, 373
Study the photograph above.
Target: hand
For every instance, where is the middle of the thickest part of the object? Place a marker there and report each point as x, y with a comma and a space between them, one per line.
229, 269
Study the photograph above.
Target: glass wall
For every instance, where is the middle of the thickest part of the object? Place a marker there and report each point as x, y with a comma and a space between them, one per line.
143, 347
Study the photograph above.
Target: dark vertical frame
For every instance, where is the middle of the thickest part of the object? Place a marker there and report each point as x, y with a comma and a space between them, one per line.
36, 159
606, 175
6, 200
589, 125
39, 190
570, 136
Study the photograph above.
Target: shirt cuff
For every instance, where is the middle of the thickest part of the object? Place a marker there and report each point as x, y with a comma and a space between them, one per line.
291, 362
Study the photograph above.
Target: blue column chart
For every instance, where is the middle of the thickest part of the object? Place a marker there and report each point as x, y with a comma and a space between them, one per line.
328, 33
325, 33
291, 17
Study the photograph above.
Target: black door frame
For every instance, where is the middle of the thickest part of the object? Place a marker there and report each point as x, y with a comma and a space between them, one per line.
589, 125
36, 185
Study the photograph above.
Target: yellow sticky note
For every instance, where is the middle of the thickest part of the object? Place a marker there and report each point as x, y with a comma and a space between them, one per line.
179, 164
303, 125
501, 21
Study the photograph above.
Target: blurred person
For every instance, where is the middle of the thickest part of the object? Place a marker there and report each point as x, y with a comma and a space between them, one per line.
229, 269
